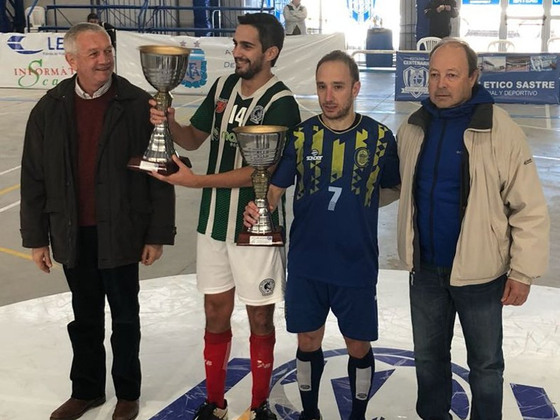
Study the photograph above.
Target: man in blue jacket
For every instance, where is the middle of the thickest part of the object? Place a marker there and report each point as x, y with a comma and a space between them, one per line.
472, 229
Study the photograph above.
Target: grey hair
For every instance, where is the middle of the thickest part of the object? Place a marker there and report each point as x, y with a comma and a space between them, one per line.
472, 57
70, 46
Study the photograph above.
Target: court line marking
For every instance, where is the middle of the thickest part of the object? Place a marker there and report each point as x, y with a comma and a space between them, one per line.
16, 253
10, 170
8, 189
547, 158
9, 206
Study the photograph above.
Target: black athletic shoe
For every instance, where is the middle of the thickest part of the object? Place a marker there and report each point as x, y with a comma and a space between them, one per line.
210, 411
262, 412
304, 417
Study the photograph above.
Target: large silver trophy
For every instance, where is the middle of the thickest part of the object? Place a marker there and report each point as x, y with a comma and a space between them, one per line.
164, 67
261, 147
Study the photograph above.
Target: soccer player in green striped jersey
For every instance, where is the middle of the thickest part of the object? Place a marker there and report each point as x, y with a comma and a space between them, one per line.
252, 95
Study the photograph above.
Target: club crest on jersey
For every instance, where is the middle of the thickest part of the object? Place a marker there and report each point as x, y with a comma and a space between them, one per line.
314, 156
267, 286
221, 105
257, 115
362, 157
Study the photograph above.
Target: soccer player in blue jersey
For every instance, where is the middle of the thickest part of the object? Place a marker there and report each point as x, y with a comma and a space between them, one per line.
339, 161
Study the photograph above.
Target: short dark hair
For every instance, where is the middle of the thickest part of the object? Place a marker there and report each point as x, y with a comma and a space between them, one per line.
472, 57
271, 31
92, 16
338, 55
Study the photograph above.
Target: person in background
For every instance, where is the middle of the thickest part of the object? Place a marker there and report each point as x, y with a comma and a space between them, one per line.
295, 14
93, 18
99, 218
473, 229
440, 12
340, 162
253, 95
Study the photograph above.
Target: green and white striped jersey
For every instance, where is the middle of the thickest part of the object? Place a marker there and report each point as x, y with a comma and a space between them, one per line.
221, 209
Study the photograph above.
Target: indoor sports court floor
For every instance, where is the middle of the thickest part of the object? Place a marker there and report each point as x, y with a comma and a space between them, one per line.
35, 308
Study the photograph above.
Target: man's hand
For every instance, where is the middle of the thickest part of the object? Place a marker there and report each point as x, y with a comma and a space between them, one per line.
42, 258
515, 293
250, 215
157, 116
184, 176
151, 253
440, 8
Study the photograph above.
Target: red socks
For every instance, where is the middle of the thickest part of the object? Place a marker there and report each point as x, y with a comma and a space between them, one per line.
262, 360
216, 356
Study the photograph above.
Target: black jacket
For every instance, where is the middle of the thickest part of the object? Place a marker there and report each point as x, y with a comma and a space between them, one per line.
132, 208
440, 23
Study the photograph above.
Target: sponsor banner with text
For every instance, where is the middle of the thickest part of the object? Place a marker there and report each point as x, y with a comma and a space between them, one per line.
509, 77
32, 61
212, 57
36, 60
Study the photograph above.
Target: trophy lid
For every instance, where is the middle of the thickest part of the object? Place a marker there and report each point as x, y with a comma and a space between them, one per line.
260, 129
164, 50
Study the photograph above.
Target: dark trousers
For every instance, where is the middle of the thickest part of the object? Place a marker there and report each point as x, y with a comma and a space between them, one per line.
89, 286
434, 304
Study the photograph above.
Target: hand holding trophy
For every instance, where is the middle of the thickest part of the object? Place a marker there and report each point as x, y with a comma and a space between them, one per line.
261, 147
164, 67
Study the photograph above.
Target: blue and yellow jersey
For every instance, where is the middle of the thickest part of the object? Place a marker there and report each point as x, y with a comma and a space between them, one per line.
337, 176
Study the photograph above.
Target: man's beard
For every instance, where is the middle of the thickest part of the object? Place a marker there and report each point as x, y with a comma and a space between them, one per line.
340, 114
252, 70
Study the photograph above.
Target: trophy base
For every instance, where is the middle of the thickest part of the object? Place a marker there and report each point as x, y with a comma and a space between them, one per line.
275, 238
162, 168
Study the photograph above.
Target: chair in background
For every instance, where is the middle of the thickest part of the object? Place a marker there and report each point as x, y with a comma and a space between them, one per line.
500, 45
553, 44
35, 17
427, 43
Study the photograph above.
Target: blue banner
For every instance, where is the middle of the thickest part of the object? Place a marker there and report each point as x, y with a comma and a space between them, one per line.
530, 2
509, 77
481, 1
520, 78
411, 78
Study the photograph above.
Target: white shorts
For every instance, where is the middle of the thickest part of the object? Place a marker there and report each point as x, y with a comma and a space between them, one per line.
257, 272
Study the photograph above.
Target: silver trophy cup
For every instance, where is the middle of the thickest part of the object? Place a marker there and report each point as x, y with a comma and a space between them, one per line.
164, 67
261, 147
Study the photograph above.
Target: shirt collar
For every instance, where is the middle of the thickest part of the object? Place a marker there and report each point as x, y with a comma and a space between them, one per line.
84, 95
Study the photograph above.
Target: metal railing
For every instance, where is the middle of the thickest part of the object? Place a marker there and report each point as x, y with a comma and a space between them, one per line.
143, 16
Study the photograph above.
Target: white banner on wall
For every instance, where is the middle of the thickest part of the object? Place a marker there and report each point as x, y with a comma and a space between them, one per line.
36, 60
212, 57
32, 61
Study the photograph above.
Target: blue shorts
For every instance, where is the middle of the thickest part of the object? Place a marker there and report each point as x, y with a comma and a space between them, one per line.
308, 303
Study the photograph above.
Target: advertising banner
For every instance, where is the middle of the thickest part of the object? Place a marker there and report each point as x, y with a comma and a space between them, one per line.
525, 2
481, 1
32, 61
36, 60
509, 77
411, 76
213, 57
520, 78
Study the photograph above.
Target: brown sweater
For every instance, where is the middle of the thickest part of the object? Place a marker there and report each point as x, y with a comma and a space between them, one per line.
89, 120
